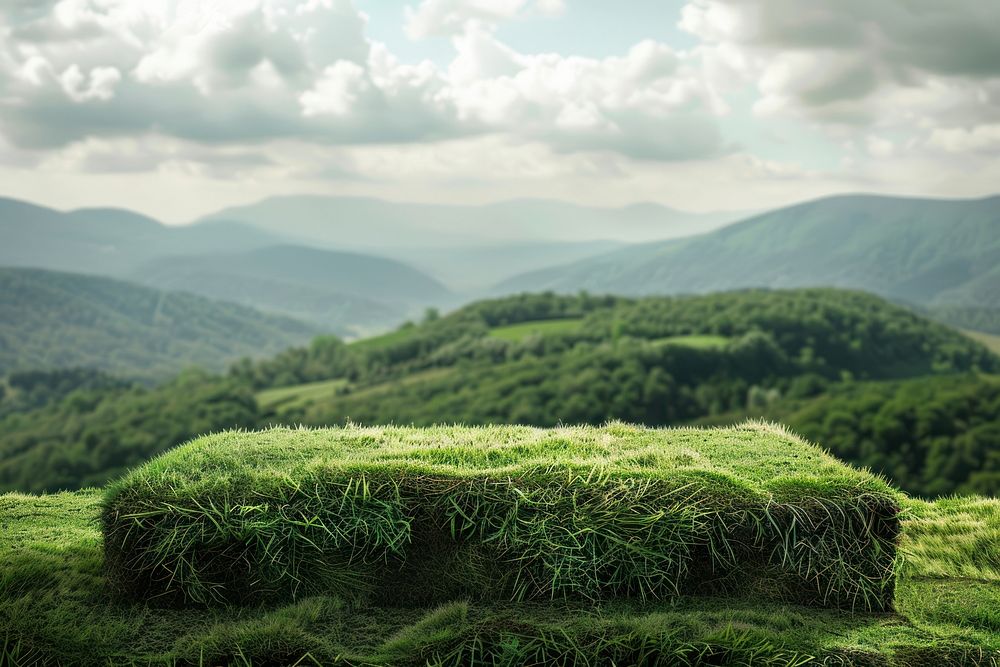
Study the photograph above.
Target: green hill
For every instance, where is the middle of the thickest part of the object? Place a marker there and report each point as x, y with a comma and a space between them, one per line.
924, 251
56, 606
52, 320
343, 292
544, 358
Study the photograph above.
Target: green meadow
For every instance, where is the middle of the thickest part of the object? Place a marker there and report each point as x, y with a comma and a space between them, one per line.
520, 331
696, 342
298, 395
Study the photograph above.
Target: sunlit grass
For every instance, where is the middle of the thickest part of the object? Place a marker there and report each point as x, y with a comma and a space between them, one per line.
700, 342
991, 341
518, 332
953, 537
382, 340
298, 395
506, 513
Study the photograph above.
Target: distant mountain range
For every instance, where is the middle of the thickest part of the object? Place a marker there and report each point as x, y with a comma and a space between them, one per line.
376, 224
51, 320
469, 247
108, 241
354, 266
348, 294
929, 252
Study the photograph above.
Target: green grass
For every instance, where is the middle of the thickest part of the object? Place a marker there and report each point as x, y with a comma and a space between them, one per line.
991, 341
383, 340
298, 395
413, 378
502, 513
700, 342
518, 332
54, 610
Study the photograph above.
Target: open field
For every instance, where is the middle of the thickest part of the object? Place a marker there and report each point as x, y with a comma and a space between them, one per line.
414, 379
697, 342
382, 340
991, 341
298, 395
516, 332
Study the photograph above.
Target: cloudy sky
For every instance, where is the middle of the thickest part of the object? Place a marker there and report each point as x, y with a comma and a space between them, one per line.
178, 107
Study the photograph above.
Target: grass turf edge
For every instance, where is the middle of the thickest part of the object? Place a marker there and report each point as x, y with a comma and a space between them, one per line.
507, 513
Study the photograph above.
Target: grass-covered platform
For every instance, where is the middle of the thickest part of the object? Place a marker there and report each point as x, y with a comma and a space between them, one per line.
404, 516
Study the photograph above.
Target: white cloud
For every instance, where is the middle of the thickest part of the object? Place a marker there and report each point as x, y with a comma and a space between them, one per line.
855, 63
650, 103
265, 70
98, 85
879, 147
337, 90
960, 140
449, 17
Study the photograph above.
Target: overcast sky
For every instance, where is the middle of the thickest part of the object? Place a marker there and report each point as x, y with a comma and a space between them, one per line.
179, 107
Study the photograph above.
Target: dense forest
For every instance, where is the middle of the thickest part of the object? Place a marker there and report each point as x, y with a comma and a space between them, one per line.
848, 369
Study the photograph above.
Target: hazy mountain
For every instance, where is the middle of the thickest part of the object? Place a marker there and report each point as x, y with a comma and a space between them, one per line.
925, 251
107, 241
347, 293
472, 268
59, 320
496, 233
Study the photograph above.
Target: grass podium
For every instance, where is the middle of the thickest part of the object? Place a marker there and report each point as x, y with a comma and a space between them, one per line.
395, 516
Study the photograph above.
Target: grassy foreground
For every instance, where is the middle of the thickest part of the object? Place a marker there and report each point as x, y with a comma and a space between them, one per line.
398, 514
55, 608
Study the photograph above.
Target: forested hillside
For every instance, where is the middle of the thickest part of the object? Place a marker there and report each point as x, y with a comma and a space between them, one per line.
52, 320
932, 252
546, 359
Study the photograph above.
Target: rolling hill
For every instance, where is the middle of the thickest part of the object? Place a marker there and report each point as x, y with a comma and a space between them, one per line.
54, 320
346, 293
924, 251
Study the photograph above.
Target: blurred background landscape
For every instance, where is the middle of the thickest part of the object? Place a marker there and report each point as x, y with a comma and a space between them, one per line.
223, 214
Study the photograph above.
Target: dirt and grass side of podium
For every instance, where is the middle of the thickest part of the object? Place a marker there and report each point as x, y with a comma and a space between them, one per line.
405, 516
